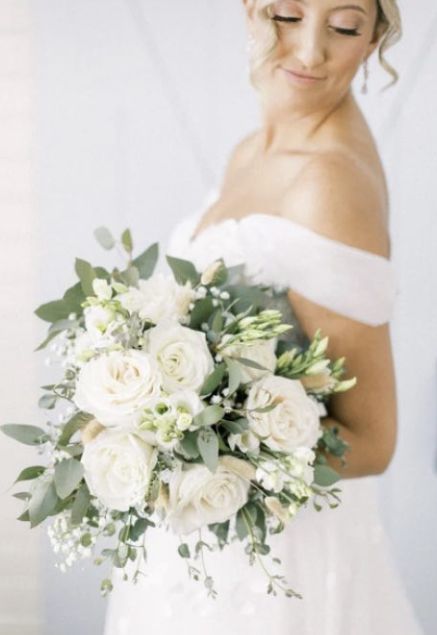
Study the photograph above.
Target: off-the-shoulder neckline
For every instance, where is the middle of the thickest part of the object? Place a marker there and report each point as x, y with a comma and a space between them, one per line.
276, 218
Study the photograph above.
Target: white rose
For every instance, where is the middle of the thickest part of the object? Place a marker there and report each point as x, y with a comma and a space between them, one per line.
261, 351
182, 355
117, 468
116, 386
293, 422
158, 298
197, 497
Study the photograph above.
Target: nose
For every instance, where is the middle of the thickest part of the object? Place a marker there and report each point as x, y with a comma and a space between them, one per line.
310, 48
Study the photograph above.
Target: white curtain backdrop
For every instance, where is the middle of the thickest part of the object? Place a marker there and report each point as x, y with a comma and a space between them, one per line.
136, 106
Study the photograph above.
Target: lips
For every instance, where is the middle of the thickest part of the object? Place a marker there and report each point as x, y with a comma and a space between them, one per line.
301, 74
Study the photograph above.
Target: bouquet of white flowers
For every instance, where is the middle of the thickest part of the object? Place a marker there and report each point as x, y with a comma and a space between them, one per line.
179, 406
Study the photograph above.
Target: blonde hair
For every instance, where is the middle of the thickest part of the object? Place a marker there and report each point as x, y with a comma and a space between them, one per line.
388, 30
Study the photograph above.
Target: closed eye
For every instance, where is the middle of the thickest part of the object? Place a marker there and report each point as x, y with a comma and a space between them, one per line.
282, 18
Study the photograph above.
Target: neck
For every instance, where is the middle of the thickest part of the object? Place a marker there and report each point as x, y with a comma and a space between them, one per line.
301, 125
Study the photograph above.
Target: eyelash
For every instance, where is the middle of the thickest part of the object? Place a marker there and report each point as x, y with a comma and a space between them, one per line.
352, 32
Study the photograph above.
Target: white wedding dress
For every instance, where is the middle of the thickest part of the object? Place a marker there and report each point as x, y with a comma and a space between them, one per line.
339, 560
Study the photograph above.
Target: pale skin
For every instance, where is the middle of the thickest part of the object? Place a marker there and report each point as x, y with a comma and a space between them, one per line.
314, 161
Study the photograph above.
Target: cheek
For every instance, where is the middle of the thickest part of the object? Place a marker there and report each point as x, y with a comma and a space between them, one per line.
347, 56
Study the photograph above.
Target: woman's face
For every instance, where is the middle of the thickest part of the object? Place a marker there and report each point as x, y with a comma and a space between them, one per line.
324, 39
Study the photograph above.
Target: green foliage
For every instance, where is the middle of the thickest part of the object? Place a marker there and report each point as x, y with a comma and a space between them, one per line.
234, 375
139, 527
29, 473
86, 275
80, 504
201, 312
325, 476
183, 270
209, 416
208, 445
236, 427
213, 380
104, 237
146, 262
184, 550
221, 530
126, 241
43, 502
68, 474
188, 445
29, 435
47, 401
77, 421
246, 298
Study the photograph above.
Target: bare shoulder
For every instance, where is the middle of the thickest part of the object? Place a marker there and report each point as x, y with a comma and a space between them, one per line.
338, 196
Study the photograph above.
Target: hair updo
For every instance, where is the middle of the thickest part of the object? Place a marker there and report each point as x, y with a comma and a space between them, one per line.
388, 29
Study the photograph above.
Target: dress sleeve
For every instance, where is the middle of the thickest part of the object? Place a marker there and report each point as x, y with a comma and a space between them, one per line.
345, 279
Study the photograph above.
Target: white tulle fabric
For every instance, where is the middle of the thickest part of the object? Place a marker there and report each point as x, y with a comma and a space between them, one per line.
340, 560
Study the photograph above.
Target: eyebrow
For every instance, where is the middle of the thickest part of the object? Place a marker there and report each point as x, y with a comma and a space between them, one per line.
342, 7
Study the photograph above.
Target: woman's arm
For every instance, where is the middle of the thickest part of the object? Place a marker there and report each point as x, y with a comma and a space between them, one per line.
335, 199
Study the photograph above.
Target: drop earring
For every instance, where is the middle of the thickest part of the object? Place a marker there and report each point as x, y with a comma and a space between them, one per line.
250, 44
366, 76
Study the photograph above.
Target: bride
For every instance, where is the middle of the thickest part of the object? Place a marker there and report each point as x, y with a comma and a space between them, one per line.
304, 204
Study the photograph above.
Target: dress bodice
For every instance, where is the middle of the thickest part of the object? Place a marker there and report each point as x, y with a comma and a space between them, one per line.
284, 254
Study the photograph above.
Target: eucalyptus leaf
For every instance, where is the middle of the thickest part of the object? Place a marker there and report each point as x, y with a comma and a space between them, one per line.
146, 262
236, 427
29, 435
131, 276
208, 445
47, 401
184, 550
234, 375
77, 421
73, 297
80, 505
213, 380
53, 311
216, 321
68, 474
183, 270
221, 530
188, 445
126, 241
138, 528
30, 473
104, 237
241, 525
42, 503
208, 416
86, 275
201, 312
325, 476
247, 298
